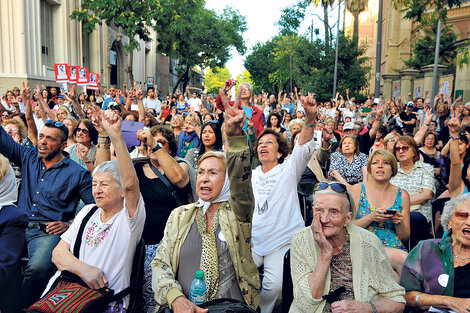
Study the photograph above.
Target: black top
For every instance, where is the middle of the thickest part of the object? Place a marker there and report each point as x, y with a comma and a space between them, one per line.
406, 118
158, 204
461, 279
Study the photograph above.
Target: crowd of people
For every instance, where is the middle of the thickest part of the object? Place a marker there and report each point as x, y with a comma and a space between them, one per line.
344, 190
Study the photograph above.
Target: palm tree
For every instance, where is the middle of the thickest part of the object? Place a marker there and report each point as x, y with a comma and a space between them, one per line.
356, 7
325, 4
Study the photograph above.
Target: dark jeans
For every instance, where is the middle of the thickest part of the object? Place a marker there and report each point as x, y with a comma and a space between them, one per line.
40, 267
420, 229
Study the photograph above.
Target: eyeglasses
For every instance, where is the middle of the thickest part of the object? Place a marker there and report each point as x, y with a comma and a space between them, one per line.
13, 130
461, 215
402, 148
162, 142
83, 130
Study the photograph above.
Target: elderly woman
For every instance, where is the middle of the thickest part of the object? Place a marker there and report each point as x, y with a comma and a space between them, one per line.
417, 178
436, 272
383, 208
114, 229
337, 266
348, 165
277, 210
213, 234
13, 222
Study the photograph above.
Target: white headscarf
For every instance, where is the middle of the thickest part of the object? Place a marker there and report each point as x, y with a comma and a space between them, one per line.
223, 196
8, 189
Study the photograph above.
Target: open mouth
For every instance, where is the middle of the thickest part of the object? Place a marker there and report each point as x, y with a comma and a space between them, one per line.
466, 232
205, 190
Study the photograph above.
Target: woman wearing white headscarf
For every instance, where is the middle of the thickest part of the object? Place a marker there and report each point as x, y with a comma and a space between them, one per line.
13, 222
213, 234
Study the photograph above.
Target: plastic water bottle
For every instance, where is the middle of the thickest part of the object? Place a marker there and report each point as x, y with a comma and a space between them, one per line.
197, 292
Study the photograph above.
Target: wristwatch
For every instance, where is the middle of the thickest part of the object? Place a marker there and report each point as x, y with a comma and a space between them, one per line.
157, 147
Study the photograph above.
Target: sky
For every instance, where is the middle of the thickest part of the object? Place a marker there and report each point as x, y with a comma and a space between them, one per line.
261, 15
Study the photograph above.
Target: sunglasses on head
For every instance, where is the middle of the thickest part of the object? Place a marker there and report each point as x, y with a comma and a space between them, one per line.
52, 123
336, 187
461, 215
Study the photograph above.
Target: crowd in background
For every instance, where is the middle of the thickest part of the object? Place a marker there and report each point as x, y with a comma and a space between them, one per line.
256, 169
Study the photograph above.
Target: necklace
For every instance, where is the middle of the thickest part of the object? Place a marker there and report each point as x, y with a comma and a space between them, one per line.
467, 258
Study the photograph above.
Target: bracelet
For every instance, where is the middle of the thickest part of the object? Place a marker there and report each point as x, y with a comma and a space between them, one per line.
374, 309
88, 162
157, 147
417, 299
309, 125
103, 136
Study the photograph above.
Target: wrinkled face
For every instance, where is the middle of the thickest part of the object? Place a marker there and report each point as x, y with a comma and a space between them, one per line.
295, 128
380, 169
348, 146
460, 224
83, 134
403, 152
188, 125
69, 125
50, 143
333, 216
61, 115
268, 149
429, 141
245, 91
208, 136
12, 130
210, 178
106, 192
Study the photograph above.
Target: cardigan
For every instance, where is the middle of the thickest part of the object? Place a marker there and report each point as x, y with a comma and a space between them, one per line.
373, 276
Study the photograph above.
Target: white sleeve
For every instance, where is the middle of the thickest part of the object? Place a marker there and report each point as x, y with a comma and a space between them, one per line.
300, 157
136, 223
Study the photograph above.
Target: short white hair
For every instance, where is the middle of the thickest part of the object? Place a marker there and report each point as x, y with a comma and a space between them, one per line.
449, 209
111, 168
248, 84
296, 121
348, 202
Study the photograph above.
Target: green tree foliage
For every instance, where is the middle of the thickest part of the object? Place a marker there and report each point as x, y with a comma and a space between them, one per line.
245, 77
198, 36
215, 79
313, 65
291, 18
424, 46
417, 9
134, 18
260, 63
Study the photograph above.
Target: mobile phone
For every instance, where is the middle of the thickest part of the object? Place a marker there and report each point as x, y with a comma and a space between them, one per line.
42, 226
392, 212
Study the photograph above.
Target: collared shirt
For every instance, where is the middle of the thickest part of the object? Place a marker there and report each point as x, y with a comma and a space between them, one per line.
47, 194
420, 177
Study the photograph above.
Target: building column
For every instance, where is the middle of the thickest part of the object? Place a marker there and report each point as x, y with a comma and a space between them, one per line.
407, 78
428, 73
387, 89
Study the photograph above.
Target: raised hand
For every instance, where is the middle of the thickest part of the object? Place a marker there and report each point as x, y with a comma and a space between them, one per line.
96, 119
111, 122
429, 116
26, 90
234, 116
454, 127
82, 152
310, 107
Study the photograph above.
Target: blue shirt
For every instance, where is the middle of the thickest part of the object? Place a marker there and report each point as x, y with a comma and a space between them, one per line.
47, 195
248, 114
108, 100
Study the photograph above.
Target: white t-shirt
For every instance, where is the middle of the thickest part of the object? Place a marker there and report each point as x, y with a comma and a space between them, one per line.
277, 210
108, 246
153, 104
195, 103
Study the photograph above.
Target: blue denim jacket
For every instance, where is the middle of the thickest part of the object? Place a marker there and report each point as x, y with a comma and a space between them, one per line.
47, 195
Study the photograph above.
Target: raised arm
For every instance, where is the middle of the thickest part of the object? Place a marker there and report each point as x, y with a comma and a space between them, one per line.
376, 124
310, 107
77, 106
32, 129
419, 136
111, 122
455, 175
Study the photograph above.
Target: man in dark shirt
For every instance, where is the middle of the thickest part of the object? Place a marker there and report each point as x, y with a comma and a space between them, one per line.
408, 118
50, 190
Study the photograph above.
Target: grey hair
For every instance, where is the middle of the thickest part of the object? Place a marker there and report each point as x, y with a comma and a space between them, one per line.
449, 209
111, 168
248, 84
348, 198
296, 121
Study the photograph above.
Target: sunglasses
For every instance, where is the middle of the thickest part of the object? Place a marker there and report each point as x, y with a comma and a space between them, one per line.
402, 148
336, 187
54, 124
83, 130
461, 215
13, 130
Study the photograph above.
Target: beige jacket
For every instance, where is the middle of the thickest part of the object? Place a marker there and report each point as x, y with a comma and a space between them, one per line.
373, 276
234, 220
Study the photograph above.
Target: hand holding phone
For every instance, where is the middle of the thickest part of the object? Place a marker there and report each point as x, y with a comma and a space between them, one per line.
391, 212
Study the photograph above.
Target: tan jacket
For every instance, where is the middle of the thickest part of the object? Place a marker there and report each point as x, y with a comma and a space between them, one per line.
234, 220
317, 160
